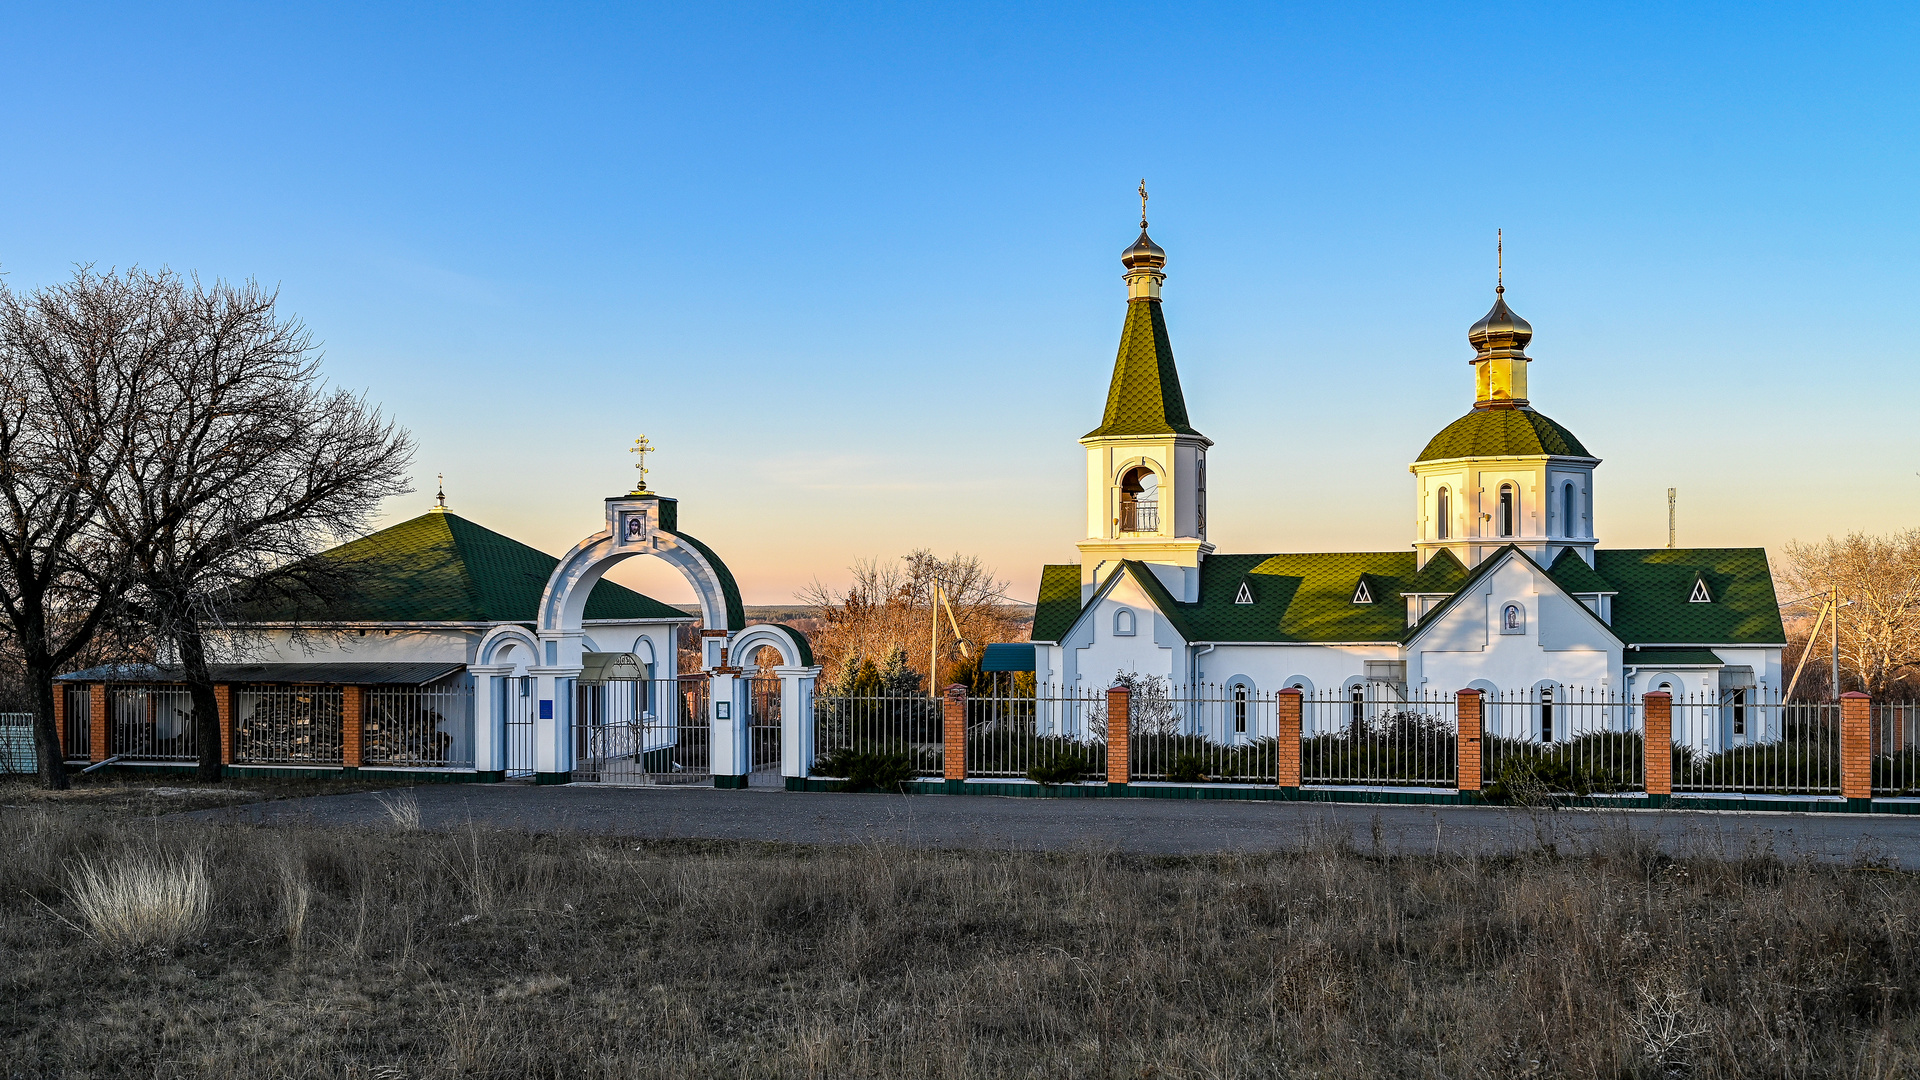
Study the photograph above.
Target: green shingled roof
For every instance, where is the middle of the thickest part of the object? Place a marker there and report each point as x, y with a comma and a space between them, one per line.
440, 567
1144, 398
1654, 583
1502, 433
1674, 658
1309, 597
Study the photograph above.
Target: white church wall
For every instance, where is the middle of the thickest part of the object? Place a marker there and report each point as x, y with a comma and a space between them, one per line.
327, 646
1125, 632
1557, 640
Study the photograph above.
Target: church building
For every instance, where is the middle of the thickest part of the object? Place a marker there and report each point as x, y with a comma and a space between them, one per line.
1504, 585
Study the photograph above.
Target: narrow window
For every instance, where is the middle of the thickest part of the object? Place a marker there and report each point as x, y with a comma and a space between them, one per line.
1739, 712
1359, 697
1566, 512
1506, 509
1546, 714
1443, 512
1240, 709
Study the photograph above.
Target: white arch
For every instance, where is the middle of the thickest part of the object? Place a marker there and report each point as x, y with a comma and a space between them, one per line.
779, 638
565, 599
500, 637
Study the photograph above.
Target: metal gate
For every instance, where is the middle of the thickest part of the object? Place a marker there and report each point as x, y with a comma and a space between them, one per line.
763, 731
642, 731
516, 707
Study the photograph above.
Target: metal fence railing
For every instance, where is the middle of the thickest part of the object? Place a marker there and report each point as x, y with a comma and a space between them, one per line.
151, 723
1562, 740
1203, 734
1055, 735
18, 755
907, 729
642, 731
1896, 761
420, 727
516, 698
1750, 742
76, 739
289, 725
1377, 734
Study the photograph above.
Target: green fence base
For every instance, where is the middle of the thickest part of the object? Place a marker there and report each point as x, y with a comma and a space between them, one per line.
553, 778
729, 782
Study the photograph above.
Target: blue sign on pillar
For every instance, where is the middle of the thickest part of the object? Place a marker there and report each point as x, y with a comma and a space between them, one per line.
546, 709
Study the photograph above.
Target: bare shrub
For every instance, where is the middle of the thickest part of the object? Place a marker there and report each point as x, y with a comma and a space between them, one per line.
142, 900
402, 809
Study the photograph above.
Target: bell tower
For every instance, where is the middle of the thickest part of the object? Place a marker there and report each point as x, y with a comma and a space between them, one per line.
1146, 465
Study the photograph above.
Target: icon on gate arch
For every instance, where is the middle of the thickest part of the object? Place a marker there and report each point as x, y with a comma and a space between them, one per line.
633, 528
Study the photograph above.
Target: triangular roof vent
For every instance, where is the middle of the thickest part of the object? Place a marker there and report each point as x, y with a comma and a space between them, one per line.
1244, 596
1701, 595
1362, 594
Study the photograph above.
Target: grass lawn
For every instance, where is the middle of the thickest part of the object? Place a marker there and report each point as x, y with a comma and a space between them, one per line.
391, 952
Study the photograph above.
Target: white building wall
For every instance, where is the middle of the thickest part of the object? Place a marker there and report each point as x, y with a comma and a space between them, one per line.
1560, 641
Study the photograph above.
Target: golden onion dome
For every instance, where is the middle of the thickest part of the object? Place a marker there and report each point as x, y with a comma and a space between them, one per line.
1144, 253
1500, 329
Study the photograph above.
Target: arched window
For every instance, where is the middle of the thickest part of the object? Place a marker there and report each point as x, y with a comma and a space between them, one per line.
1506, 509
1546, 714
1123, 623
1140, 500
1358, 696
1240, 710
1443, 513
1567, 518
1739, 701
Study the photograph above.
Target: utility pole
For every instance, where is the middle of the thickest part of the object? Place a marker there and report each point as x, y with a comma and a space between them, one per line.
1836, 641
1670, 498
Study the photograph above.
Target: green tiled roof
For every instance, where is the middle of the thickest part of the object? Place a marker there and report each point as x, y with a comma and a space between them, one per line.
1059, 602
1502, 433
1309, 597
1572, 573
1674, 657
1144, 398
1654, 583
440, 567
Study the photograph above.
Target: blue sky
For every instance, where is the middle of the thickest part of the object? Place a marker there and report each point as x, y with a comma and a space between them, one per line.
855, 269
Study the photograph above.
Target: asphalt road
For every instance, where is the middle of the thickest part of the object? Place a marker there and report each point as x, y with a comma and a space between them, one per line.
1142, 826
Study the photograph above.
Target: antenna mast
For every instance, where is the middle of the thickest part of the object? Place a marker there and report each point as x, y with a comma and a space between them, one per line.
1670, 501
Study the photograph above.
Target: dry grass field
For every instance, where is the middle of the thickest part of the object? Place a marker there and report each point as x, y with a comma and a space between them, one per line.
130, 946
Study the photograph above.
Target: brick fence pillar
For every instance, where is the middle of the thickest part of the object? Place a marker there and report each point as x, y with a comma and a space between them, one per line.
223, 707
352, 726
1656, 744
97, 722
60, 718
1467, 745
1119, 734
953, 759
1287, 736
1856, 745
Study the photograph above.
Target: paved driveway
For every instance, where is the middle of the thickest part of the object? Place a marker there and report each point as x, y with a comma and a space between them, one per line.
1143, 826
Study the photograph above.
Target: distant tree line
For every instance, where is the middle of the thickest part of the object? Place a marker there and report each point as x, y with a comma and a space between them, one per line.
169, 453
879, 633
1877, 582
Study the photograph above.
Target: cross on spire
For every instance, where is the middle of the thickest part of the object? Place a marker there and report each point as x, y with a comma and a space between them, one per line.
1143, 204
1499, 261
441, 496
642, 448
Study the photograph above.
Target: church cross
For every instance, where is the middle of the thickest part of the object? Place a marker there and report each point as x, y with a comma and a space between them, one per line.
642, 448
1143, 203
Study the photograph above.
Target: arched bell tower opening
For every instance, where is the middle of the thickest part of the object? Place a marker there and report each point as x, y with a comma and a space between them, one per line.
1139, 502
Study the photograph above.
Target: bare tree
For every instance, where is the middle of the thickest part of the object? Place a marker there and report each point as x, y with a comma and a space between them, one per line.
889, 605
238, 464
1878, 580
72, 359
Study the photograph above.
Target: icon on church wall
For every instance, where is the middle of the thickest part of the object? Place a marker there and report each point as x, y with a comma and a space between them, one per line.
634, 527
1513, 619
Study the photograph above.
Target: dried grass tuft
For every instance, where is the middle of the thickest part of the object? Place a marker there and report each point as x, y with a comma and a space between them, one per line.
143, 900
403, 809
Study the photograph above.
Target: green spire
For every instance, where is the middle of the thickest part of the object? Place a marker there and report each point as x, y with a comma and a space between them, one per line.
1145, 397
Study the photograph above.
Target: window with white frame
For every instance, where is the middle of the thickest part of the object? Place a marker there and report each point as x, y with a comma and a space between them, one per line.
1442, 513
1508, 509
1123, 623
1240, 710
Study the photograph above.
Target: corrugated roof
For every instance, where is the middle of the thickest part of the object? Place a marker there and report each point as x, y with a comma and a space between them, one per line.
367, 673
1144, 397
1012, 656
440, 567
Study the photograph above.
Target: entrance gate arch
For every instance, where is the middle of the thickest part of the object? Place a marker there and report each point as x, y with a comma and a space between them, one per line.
645, 523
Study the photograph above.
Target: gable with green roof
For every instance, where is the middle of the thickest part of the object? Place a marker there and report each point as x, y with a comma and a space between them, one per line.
440, 567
